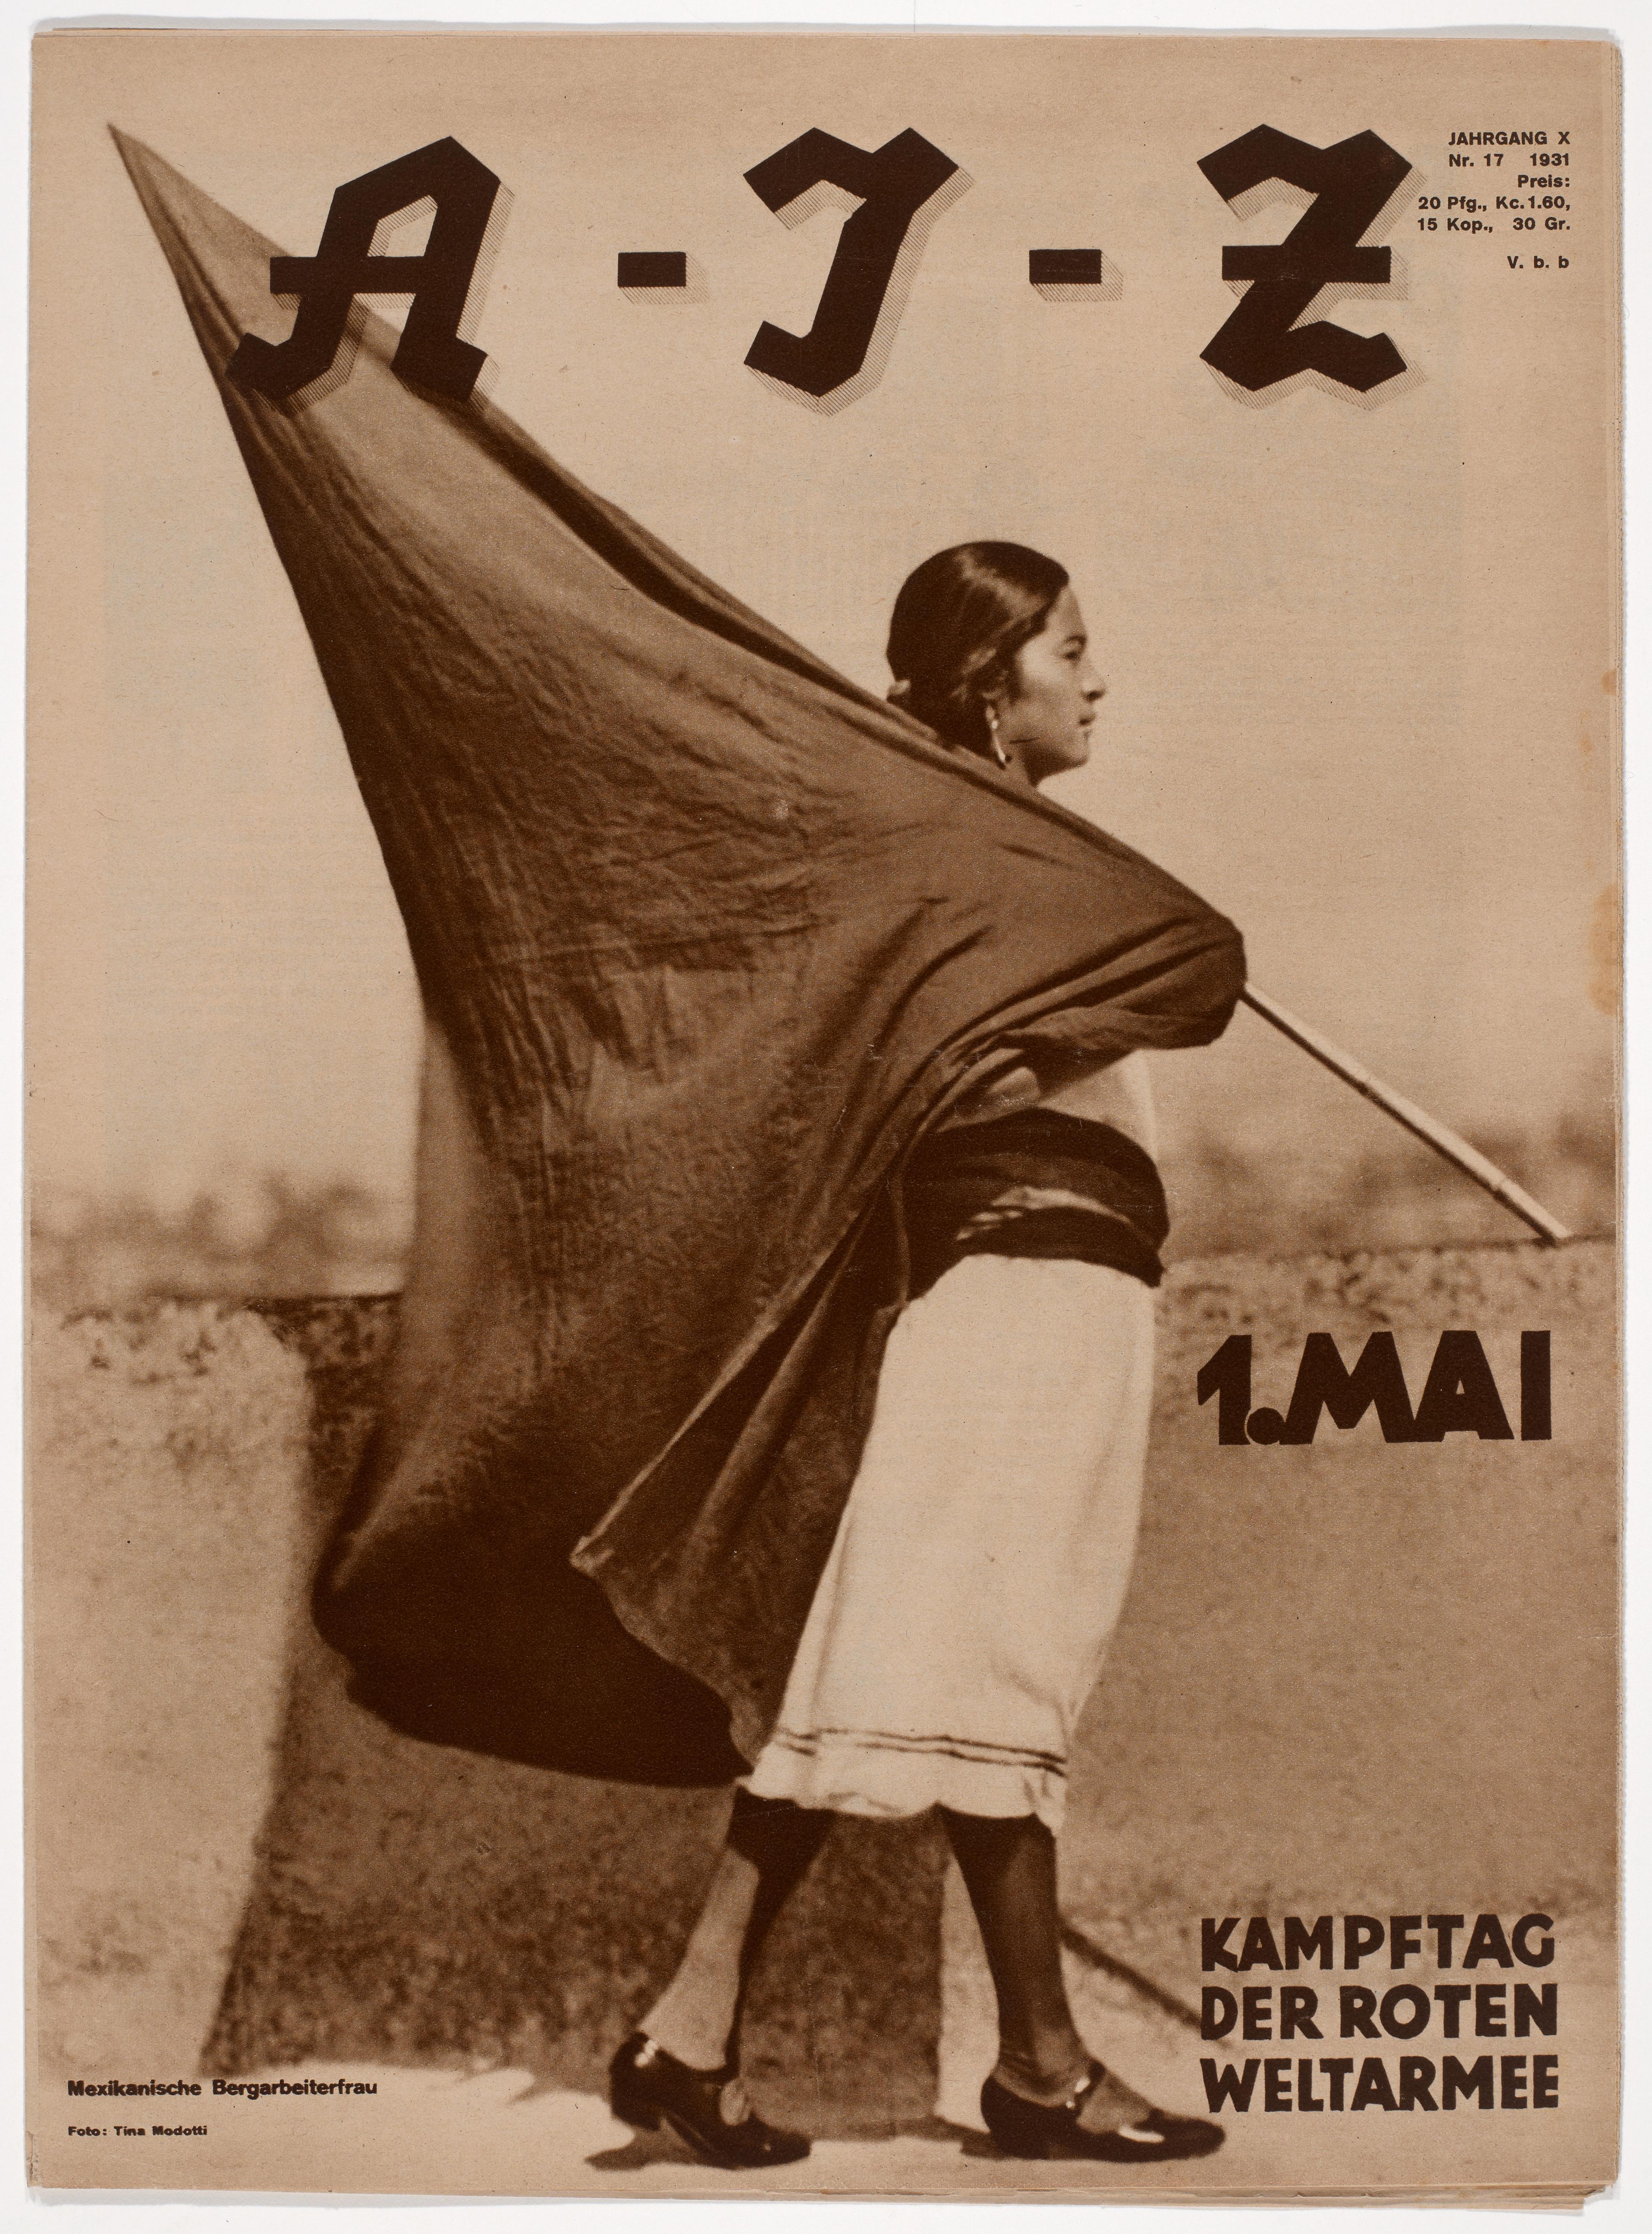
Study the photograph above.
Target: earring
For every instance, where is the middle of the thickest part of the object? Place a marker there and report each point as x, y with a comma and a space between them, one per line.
998, 752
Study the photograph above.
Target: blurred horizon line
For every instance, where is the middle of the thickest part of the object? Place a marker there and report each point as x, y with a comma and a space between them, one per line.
264, 1232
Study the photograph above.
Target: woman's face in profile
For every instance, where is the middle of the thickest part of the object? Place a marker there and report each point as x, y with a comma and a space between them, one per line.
1045, 725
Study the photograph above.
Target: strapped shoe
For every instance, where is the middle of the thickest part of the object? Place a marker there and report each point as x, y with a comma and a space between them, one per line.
1149, 2136
709, 2110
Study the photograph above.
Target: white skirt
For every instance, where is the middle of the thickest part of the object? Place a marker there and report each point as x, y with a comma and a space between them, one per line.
983, 1555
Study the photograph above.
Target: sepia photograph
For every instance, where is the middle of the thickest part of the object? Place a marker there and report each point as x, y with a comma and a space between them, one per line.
823, 1075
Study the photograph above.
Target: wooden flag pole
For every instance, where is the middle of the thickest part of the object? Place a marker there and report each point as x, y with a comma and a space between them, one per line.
1439, 1138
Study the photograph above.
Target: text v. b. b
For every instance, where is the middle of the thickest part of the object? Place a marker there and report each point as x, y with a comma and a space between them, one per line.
1460, 1396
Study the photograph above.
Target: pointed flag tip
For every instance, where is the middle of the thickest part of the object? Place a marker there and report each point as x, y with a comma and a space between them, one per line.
143, 166
222, 266
151, 172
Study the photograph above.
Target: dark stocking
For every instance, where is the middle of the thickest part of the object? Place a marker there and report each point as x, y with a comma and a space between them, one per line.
1009, 1866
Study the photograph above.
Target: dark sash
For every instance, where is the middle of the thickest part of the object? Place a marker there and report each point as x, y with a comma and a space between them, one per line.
1039, 1183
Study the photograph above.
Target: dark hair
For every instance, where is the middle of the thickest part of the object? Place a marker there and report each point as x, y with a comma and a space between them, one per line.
958, 622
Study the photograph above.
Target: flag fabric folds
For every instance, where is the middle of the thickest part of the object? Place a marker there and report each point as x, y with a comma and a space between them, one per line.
707, 938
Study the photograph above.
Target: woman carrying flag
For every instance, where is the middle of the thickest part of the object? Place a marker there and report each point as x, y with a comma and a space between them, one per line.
984, 1551
770, 1385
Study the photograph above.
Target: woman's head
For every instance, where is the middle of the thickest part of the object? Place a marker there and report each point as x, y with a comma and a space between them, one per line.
989, 647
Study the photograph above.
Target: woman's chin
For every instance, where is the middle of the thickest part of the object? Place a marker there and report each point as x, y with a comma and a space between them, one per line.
1062, 761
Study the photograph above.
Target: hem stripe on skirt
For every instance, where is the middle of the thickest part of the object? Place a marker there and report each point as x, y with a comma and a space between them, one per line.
971, 1749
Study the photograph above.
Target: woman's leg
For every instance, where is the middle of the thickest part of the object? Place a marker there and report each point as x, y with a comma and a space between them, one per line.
770, 1846
1008, 1867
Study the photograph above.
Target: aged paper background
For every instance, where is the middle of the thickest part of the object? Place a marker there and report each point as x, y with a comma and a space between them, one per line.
1361, 656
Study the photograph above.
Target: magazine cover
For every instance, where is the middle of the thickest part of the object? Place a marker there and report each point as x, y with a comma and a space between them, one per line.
824, 946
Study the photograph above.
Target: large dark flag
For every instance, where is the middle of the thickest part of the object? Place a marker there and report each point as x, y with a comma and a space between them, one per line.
707, 938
